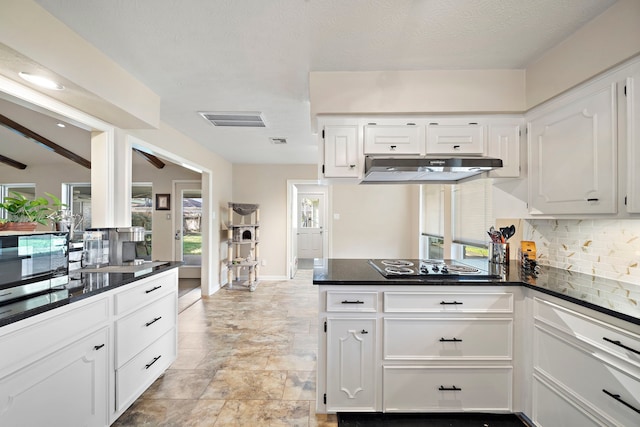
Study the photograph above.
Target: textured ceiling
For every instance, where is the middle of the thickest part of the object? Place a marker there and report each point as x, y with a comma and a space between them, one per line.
255, 55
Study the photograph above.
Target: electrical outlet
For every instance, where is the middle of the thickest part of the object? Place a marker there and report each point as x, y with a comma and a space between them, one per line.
264, 262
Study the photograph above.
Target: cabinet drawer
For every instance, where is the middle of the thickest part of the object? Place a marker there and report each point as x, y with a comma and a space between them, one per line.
448, 339
552, 409
420, 388
138, 374
614, 340
352, 301
593, 379
141, 328
435, 302
24, 345
390, 139
455, 139
146, 291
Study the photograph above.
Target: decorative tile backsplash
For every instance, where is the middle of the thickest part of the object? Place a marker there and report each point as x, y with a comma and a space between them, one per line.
603, 248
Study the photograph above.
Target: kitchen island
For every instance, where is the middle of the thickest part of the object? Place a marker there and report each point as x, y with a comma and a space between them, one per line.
94, 346
403, 344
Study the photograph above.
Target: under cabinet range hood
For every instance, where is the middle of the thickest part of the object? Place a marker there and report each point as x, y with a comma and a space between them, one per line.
417, 170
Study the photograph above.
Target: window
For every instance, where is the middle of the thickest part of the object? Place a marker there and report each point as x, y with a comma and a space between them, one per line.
432, 239
472, 216
458, 215
27, 190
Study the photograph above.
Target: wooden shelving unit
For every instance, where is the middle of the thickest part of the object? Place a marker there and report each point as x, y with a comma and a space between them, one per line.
243, 244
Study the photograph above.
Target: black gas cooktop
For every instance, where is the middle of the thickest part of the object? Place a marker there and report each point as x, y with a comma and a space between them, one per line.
425, 269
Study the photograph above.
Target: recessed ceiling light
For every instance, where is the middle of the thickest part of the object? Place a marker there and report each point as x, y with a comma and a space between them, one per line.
60, 125
41, 81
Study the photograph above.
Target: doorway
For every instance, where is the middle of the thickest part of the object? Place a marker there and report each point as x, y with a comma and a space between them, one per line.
308, 231
188, 234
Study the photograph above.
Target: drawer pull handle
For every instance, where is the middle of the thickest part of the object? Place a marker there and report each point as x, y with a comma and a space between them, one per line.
450, 303
592, 200
98, 347
454, 339
619, 344
364, 332
392, 147
617, 397
452, 388
352, 302
153, 321
155, 359
152, 289
456, 147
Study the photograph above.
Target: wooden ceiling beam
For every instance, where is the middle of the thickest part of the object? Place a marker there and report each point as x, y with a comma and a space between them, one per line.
29, 134
13, 163
150, 158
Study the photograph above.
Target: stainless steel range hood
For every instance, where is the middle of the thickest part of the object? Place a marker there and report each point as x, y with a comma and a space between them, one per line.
416, 170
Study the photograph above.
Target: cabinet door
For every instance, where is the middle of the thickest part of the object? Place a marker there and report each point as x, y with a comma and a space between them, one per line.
391, 139
572, 156
351, 376
633, 143
504, 144
342, 156
455, 139
65, 388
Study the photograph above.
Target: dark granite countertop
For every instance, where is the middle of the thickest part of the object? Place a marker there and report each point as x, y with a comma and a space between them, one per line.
612, 297
81, 285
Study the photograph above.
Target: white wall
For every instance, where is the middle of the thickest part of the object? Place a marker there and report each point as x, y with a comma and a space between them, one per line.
266, 185
375, 221
607, 40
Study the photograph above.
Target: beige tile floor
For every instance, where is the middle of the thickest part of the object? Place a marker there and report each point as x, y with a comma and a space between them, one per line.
244, 359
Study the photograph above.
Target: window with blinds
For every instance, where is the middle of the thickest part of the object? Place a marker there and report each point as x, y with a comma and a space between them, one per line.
433, 210
472, 212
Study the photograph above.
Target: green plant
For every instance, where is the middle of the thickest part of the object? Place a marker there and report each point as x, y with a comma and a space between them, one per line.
21, 209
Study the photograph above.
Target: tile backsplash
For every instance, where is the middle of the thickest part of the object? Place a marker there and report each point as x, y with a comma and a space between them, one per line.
603, 248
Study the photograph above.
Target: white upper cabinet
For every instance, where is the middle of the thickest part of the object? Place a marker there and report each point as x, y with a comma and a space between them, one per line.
343, 156
504, 144
573, 155
632, 85
462, 139
392, 139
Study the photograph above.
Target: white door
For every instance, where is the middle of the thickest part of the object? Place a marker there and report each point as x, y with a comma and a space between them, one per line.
310, 225
188, 230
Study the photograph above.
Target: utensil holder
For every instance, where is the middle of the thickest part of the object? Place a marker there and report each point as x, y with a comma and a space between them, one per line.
499, 253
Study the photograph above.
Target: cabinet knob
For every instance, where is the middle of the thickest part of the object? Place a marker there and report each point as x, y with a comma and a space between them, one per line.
352, 166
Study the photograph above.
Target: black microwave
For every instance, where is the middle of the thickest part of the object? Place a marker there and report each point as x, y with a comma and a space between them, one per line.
33, 258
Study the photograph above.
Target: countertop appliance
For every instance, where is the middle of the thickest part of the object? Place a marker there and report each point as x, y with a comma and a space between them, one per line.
433, 269
32, 264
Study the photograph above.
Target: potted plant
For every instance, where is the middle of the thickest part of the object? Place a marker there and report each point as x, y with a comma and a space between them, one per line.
24, 214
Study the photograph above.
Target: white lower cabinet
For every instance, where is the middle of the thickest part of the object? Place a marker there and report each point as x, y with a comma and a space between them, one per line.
351, 367
142, 370
65, 388
446, 389
580, 359
552, 408
84, 363
435, 350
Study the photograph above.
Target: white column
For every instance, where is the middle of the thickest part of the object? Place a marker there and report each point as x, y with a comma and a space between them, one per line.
110, 179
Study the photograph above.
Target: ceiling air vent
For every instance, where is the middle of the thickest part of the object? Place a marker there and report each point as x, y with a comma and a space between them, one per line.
243, 120
278, 141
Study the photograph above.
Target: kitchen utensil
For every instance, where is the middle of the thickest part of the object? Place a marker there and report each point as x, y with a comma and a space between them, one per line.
499, 253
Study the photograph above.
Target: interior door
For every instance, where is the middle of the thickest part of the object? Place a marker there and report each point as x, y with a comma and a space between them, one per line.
310, 225
188, 230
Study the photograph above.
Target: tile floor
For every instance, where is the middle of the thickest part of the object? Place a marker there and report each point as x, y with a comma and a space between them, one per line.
244, 359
